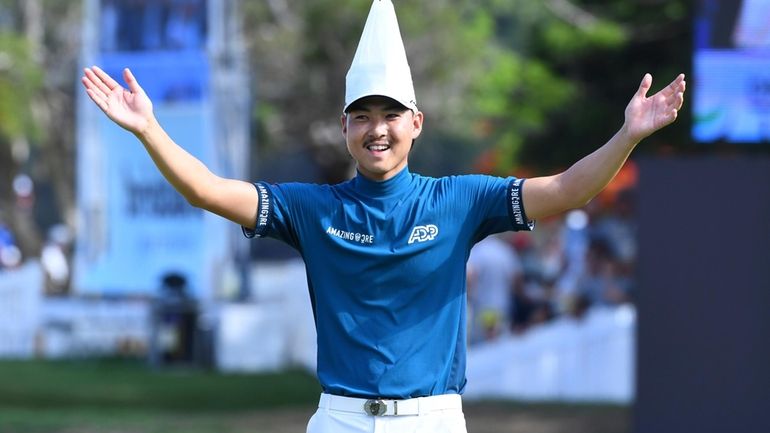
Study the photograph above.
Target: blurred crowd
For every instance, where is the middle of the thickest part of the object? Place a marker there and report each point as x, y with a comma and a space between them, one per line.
516, 280
568, 264
10, 254
54, 257
55, 251
147, 25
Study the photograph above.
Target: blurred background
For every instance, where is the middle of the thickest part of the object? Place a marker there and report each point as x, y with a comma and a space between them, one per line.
122, 308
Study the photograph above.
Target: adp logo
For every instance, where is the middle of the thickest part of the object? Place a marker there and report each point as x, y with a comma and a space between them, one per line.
423, 233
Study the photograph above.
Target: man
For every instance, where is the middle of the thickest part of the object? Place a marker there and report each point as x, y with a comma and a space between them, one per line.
494, 276
385, 252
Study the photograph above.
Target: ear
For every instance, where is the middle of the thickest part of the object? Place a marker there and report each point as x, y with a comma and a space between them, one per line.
417, 119
344, 123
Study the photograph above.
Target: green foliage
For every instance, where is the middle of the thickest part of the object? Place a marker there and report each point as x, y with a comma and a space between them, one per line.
514, 99
567, 42
20, 79
540, 83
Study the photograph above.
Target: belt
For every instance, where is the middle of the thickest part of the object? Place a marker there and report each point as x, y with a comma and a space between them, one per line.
383, 407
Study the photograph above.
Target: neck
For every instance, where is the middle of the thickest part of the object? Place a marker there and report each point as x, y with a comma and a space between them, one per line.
378, 187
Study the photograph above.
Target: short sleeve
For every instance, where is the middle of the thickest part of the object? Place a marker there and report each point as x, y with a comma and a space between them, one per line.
516, 210
496, 204
274, 214
264, 213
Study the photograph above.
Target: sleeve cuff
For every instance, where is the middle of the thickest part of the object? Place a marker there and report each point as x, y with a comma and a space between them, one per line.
516, 211
264, 212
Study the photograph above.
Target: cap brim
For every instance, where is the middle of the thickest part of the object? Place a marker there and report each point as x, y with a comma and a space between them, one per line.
409, 105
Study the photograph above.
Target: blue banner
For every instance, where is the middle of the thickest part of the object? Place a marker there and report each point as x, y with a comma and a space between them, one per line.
136, 228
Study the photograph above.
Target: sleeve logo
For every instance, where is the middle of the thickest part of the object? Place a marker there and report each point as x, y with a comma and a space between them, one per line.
423, 233
516, 207
264, 212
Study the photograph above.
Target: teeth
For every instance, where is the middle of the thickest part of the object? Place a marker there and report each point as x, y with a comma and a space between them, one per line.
378, 148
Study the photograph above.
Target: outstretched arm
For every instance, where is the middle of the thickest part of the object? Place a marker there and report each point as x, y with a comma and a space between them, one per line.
132, 110
549, 195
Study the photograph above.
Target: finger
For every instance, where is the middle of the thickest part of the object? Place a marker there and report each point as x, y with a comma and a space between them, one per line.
133, 85
98, 100
94, 86
111, 84
670, 94
96, 81
645, 85
675, 86
676, 96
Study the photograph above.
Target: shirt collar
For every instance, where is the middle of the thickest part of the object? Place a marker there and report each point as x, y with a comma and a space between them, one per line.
383, 188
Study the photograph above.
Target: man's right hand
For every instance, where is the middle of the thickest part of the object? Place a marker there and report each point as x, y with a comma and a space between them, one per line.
130, 108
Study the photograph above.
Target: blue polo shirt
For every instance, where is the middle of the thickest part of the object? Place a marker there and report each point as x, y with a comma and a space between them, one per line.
385, 267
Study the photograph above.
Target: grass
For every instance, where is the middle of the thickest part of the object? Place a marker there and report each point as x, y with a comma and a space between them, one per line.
114, 395
121, 384
65, 420
118, 396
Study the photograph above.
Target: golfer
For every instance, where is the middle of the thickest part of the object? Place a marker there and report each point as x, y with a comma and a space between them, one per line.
385, 252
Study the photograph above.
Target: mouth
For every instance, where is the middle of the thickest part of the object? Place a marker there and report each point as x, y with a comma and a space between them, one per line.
377, 147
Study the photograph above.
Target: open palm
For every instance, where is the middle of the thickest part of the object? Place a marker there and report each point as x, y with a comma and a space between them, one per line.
646, 115
130, 108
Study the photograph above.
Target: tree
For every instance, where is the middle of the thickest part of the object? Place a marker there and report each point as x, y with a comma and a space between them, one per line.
604, 49
302, 50
536, 84
20, 79
504, 75
39, 41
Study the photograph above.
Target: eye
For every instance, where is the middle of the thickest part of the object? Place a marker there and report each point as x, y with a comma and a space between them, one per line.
360, 117
392, 116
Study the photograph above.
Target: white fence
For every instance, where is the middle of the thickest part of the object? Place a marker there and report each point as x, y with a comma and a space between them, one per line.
566, 360
81, 327
32, 325
21, 293
275, 331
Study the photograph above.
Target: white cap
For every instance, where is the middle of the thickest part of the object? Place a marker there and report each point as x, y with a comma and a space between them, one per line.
380, 66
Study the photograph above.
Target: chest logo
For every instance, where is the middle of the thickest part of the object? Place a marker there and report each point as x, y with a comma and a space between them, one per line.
359, 238
423, 233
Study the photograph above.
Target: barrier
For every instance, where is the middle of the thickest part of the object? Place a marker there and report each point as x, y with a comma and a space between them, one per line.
276, 330
21, 293
80, 327
566, 360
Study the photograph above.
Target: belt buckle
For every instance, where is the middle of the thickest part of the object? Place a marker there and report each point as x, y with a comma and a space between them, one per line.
375, 407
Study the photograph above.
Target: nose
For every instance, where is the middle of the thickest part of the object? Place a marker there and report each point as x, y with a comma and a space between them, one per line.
379, 127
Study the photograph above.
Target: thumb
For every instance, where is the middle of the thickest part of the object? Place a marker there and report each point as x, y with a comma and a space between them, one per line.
645, 85
133, 85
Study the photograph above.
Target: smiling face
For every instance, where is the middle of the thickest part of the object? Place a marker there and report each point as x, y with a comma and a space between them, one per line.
379, 133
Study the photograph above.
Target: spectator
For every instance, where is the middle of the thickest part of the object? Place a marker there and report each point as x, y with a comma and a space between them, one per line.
155, 16
184, 30
573, 237
532, 299
494, 270
10, 255
53, 258
130, 24
618, 227
109, 18
601, 282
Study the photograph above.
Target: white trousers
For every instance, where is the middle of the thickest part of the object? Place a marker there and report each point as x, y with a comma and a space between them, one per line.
437, 414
